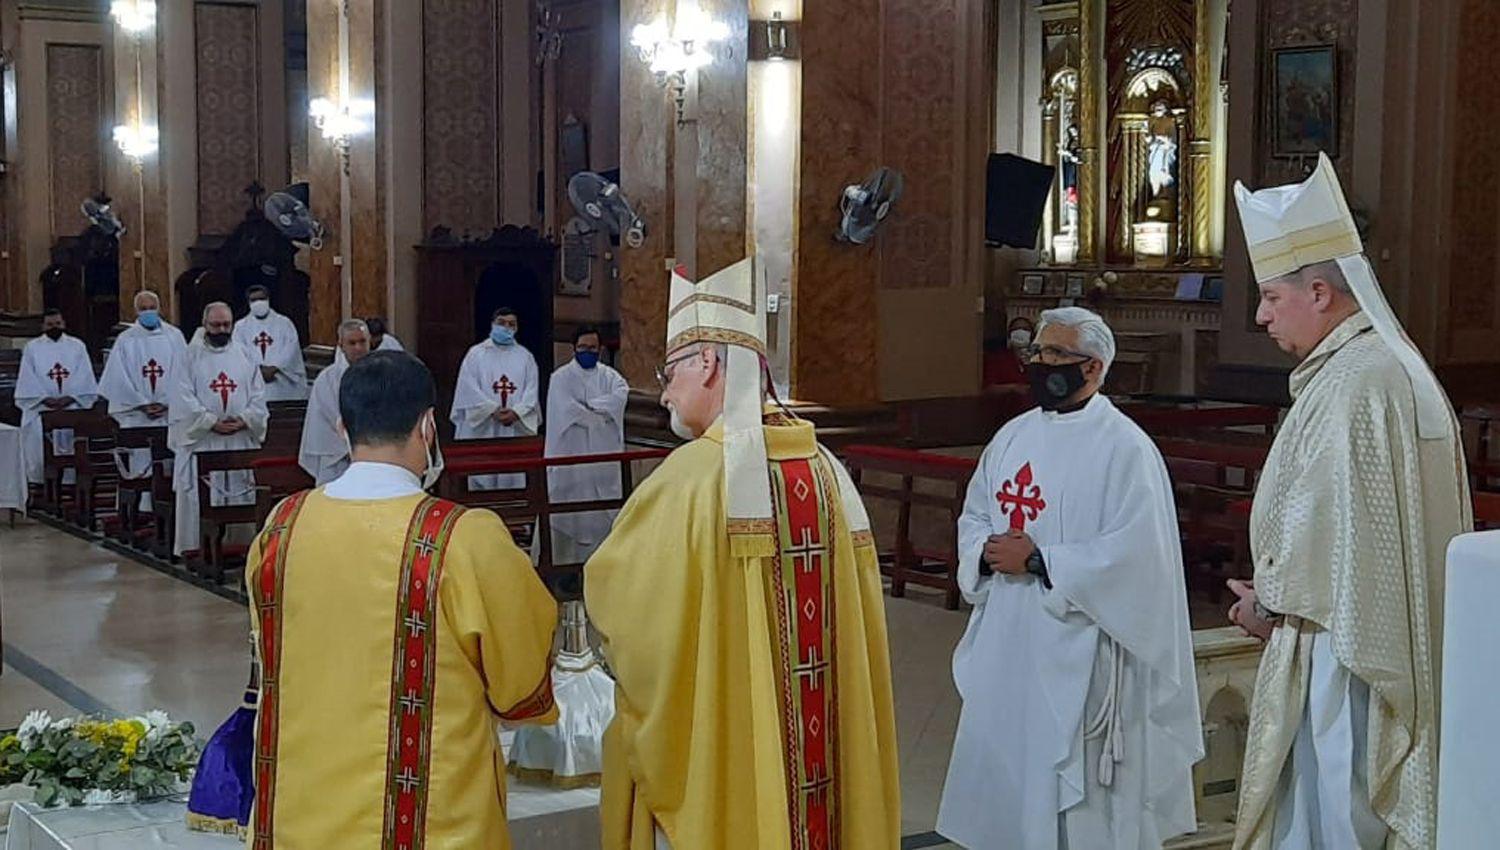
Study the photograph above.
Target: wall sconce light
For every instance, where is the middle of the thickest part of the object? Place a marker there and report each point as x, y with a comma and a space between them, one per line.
134, 16
341, 123
137, 142
672, 53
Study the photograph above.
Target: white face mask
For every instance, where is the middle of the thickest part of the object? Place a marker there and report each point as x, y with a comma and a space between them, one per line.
260, 309
1020, 338
434, 454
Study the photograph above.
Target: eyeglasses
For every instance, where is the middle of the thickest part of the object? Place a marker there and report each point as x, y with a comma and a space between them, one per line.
1032, 353
664, 371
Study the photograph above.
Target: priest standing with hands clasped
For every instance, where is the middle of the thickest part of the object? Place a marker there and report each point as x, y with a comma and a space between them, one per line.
1080, 724
219, 403
585, 416
271, 342
55, 374
496, 394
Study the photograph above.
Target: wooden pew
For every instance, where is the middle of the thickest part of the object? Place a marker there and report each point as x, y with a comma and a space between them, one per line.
94, 440
905, 562
58, 497
1487, 510
281, 444
531, 507
158, 481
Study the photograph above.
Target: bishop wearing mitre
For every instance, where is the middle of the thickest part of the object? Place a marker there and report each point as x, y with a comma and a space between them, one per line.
271, 342
739, 603
1360, 496
56, 374
219, 402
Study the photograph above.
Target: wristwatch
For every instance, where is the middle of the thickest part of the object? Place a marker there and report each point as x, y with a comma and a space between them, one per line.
1036, 566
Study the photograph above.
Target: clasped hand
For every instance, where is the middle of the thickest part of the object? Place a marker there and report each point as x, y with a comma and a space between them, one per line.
506, 416
1007, 553
229, 425
1243, 614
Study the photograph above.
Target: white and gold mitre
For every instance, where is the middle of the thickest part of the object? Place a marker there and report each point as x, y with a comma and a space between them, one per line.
729, 307
1289, 227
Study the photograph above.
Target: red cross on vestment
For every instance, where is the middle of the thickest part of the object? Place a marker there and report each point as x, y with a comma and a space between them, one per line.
151, 371
223, 385
59, 374
263, 342
1021, 499
504, 387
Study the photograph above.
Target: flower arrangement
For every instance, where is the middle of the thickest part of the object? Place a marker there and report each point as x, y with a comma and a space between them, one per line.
71, 761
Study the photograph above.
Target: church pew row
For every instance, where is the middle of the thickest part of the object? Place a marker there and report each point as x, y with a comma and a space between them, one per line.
530, 509
1487, 510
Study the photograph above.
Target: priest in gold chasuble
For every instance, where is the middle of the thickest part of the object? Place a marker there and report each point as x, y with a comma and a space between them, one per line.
1362, 491
741, 611
393, 630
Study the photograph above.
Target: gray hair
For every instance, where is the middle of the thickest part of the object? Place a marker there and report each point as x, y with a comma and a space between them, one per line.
209, 308
352, 325
1094, 336
146, 293
1327, 270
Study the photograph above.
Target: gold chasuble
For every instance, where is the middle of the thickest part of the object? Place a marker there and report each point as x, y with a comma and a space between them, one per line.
753, 699
391, 634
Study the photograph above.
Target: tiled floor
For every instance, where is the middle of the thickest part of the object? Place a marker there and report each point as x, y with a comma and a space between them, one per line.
87, 630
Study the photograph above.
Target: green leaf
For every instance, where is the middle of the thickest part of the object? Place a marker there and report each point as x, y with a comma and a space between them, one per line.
46, 794
75, 773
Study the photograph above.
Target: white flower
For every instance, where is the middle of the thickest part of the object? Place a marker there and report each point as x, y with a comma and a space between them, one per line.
32, 728
63, 725
157, 722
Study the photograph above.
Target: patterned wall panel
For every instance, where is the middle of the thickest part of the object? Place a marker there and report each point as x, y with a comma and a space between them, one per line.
75, 129
835, 345
227, 41
1288, 23
461, 127
918, 111
1476, 173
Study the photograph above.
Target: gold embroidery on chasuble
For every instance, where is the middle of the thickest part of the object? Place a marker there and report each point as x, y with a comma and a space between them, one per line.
267, 590
802, 586
413, 671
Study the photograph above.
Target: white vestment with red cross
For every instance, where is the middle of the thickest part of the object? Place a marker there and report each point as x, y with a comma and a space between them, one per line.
273, 341
213, 385
140, 371
1080, 708
51, 370
495, 377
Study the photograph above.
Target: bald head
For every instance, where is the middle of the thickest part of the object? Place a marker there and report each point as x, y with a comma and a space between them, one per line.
218, 324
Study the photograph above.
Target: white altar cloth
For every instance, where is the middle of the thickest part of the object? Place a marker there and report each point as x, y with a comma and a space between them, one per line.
1469, 767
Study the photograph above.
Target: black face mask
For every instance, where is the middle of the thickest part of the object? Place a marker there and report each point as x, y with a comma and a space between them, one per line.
54, 334
1052, 386
217, 340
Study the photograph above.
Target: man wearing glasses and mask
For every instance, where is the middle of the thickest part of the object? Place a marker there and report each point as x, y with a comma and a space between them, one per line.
739, 603
1080, 724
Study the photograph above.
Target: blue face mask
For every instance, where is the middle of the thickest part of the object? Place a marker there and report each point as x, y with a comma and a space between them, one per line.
587, 359
501, 335
149, 319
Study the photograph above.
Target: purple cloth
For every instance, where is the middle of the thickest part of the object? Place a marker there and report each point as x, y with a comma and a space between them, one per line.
224, 785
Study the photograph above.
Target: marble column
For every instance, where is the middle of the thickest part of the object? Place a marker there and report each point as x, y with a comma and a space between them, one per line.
327, 296
686, 178
1090, 79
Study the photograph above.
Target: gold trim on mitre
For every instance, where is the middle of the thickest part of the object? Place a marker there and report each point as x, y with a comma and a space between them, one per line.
724, 307
1294, 226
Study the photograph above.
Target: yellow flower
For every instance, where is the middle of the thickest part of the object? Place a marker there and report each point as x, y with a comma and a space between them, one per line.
9, 742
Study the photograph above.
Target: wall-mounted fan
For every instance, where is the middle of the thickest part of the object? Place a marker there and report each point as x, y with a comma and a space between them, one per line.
865, 206
600, 202
288, 212
101, 215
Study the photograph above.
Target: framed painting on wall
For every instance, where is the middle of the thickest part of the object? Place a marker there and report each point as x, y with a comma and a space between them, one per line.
1304, 100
